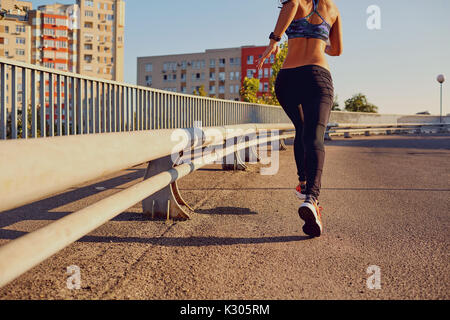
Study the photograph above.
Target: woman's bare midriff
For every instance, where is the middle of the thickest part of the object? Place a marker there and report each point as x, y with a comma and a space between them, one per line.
303, 52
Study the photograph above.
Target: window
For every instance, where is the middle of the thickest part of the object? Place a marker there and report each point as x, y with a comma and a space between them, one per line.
231, 89
212, 89
148, 80
20, 52
231, 76
20, 28
221, 89
222, 62
89, 3
20, 40
89, 13
272, 58
221, 76
212, 63
266, 73
212, 76
260, 73
250, 73
250, 60
266, 86
149, 67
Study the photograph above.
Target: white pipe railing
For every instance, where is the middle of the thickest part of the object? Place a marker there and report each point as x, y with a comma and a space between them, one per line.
77, 105
34, 175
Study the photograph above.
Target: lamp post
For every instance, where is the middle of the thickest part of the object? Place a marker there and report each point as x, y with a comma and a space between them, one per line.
441, 79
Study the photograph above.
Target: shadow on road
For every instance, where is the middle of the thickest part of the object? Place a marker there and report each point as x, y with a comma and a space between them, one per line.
42, 210
226, 211
195, 241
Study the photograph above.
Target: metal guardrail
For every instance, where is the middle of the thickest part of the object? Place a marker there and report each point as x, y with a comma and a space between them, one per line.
82, 160
77, 105
367, 129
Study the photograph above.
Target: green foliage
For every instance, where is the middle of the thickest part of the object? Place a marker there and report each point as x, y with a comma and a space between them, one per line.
336, 104
20, 126
201, 92
249, 90
276, 67
359, 103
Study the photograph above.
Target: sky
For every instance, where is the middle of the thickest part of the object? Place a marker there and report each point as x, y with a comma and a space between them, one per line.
395, 67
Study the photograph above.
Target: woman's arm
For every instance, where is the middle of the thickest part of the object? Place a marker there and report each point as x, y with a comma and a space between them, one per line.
336, 47
285, 18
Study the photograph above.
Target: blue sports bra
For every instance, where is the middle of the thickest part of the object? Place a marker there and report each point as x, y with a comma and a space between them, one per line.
302, 28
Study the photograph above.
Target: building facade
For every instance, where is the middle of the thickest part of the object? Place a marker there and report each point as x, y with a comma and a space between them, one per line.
220, 72
86, 37
101, 38
54, 37
249, 57
15, 36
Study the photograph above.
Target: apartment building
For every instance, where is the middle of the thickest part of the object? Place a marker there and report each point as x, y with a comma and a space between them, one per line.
217, 70
15, 41
220, 71
249, 57
101, 38
54, 30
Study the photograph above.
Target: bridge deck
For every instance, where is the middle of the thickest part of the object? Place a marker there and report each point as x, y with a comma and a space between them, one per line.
386, 203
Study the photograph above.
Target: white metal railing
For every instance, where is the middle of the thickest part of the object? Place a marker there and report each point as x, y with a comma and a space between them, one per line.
348, 129
84, 158
77, 104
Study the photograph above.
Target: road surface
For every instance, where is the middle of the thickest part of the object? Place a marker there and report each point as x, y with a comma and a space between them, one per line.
386, 203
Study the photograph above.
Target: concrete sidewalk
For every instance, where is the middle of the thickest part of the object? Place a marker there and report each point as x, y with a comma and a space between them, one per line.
386, 203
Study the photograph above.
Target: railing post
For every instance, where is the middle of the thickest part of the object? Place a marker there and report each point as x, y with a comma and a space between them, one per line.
156, 206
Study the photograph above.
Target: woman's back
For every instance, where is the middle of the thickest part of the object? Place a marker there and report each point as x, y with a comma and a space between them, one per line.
311, 50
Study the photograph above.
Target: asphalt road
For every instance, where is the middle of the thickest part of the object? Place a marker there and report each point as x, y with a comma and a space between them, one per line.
386, 200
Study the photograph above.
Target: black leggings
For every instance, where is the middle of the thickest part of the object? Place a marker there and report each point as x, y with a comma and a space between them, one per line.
306, 94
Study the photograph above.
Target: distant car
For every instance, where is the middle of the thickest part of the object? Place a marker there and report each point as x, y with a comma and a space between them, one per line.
426, 113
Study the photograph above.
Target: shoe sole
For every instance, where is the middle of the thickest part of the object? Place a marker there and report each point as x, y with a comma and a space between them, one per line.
299, 195
312, 225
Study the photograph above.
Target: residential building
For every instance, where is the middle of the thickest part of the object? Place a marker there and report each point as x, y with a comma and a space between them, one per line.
217, 70
101, 38
15, 41
249, 57
220, 71
54, 36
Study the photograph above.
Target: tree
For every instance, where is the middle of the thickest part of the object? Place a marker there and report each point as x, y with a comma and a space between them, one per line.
336, 104
201, 91
249, 90
276, 67
359, 103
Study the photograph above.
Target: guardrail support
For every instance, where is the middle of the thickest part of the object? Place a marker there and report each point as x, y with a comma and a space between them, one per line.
234, 161
167, 203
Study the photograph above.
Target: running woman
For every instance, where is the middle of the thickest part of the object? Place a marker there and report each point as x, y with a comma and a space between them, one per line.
304, 88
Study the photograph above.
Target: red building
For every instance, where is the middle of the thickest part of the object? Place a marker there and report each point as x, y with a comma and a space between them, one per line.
248, 67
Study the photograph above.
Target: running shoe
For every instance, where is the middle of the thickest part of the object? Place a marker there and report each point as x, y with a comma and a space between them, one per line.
311, 213
300, 191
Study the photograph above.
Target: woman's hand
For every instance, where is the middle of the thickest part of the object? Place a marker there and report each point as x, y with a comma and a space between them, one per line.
272, 48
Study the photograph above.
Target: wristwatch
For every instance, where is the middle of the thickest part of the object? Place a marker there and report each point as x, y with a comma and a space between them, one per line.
274, 37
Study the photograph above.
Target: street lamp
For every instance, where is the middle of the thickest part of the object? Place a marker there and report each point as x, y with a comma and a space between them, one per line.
441, 79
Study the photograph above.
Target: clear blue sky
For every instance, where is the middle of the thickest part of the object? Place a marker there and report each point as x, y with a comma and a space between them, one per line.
396, 67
